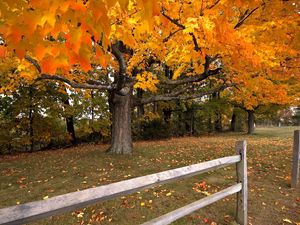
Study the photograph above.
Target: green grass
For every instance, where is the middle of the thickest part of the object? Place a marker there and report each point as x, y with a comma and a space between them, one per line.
280, 132
31, 177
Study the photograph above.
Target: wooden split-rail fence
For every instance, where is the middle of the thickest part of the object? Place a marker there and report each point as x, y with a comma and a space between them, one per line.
33, 211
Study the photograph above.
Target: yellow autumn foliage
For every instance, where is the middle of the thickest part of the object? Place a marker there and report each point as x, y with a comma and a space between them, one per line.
146, 81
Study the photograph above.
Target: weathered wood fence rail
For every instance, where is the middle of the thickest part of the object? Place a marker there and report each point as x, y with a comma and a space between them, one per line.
56, 205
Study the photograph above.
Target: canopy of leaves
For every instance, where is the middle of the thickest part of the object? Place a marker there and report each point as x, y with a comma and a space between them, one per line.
191, 37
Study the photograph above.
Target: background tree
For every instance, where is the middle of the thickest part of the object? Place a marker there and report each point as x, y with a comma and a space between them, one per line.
256, 91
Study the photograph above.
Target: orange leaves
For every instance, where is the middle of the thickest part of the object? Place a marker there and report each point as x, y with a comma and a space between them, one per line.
29, 25
26, 70
15, 36
48, 66
150, 9
61, 34
78, 6
123, 3
40, 51
84, 58
20, 52
258, 90
73, 39
2, 51
178, 71
201, 188
48, 17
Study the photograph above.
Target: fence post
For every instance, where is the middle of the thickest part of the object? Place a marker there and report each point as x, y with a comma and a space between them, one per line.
296, 159
242, 196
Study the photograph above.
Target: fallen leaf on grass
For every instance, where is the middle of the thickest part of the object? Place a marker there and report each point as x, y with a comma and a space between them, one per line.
80, 215
287, 220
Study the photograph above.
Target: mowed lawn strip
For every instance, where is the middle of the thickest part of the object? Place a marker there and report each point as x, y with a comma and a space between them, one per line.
41, 175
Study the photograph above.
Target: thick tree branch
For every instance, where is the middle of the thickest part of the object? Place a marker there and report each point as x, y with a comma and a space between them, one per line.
193, 79
91, 84
122, 80
119, 56
34, 63
172, 96
75, 84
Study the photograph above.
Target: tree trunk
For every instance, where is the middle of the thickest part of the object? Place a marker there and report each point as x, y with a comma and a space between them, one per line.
70, 125
192, 130
233, 122
218, 122
121, 140
155, 107
167, 115
209, 124
30, 118
140, 111
92, 110
71, 130
250, 121
218, 114
140, 108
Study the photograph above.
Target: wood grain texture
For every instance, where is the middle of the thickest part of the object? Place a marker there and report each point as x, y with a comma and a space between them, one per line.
242, 196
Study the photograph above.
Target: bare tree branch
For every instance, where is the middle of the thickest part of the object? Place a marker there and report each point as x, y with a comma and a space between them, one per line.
213, 5
91, 84
193, 79
172, 96
246, 16
74, 84
175, 21
33, 62
171, 34
196, 46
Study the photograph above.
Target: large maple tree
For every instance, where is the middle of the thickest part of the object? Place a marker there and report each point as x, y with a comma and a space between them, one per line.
169, 49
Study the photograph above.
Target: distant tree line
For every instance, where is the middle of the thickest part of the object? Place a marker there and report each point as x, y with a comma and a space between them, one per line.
46, 116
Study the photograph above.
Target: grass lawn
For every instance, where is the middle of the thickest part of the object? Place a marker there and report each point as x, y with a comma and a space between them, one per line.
30, 177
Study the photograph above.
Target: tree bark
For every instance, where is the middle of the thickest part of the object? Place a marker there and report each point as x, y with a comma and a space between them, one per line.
218, 115
140, 108
233, 122
154, 107
70, 125
251, 119
121, 142
140, 111
70, 129
92, 109
167, 115
30, 118
218, 122
192, 130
